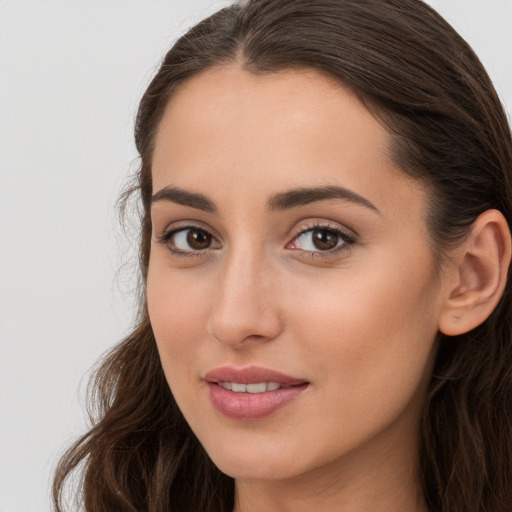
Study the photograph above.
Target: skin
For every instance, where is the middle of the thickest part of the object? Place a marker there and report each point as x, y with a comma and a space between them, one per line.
358, 324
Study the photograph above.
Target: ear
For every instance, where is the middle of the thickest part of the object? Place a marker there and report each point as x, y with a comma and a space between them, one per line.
477, 275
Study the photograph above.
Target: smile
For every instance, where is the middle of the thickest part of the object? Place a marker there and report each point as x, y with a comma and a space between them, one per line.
259, 387
251, 393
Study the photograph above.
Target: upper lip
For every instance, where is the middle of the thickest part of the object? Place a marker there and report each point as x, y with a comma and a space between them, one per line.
250, 375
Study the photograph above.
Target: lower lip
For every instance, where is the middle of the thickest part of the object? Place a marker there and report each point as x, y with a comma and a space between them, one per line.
252, 406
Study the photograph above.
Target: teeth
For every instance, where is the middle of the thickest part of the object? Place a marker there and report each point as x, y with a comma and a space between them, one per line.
238, 388
256, 388
259, 387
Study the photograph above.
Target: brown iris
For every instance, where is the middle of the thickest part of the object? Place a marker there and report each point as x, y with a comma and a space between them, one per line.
199, 239
325, 239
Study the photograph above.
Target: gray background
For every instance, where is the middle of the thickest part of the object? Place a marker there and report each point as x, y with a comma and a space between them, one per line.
71, 74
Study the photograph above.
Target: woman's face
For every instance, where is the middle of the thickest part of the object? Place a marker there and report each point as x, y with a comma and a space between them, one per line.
291, 287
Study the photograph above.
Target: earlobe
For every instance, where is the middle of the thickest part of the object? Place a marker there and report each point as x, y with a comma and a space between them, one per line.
478, 275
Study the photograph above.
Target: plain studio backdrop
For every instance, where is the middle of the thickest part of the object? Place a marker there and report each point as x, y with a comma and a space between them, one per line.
72, 72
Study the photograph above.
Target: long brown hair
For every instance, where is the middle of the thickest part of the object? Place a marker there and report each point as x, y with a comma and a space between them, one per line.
449, 130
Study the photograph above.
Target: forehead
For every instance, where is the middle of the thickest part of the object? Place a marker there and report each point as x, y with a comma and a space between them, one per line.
298, 104
227, 127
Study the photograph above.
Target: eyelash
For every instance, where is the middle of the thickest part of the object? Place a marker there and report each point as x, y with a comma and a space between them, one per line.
346, 241
168, 235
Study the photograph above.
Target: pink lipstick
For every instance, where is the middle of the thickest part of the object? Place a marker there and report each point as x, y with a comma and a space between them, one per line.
251, 393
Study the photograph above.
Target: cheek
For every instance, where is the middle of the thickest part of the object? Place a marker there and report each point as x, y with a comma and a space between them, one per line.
370, 350
374, 331
177, 311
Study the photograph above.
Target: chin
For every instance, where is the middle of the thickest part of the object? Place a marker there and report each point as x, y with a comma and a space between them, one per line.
257, 462
242, 470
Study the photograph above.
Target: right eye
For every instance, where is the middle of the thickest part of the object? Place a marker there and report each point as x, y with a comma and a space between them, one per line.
188, 240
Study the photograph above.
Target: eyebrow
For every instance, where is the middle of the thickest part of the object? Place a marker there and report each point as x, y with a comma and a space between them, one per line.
277, 202
303, 196
185, 198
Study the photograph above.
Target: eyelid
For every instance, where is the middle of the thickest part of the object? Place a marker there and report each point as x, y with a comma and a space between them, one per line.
186, 224
311, 224
348, 238
170, 231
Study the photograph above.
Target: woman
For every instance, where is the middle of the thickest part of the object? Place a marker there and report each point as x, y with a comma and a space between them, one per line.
324, 250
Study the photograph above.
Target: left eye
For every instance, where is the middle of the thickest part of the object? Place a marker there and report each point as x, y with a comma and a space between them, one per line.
319, 239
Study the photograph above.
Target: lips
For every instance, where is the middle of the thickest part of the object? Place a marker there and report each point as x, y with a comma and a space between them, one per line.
251, 393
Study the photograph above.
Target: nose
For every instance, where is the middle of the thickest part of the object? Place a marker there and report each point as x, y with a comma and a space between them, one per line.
245, 310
